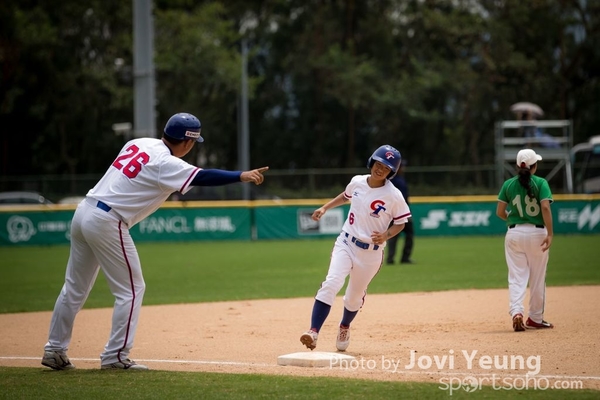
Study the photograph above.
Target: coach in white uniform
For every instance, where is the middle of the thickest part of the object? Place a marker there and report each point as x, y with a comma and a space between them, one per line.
144, 174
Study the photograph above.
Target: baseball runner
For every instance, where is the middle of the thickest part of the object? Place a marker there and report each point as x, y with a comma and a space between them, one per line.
358, 250
527, 240
144, 174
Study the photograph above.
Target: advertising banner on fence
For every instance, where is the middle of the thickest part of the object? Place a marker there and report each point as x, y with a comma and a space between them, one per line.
284, 222
168, 224
290, 221
430, 219
445, 219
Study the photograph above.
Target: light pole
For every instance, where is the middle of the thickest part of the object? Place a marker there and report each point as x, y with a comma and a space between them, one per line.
247, 23
244, 129
143, 70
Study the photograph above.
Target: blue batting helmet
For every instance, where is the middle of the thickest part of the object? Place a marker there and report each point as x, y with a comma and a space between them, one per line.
184, 126
388, 156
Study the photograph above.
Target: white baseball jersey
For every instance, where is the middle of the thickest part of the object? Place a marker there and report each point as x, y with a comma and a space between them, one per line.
372, 209
141, 178
354, 255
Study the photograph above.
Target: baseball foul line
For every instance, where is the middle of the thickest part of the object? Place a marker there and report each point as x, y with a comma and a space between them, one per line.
241, 364
245, 364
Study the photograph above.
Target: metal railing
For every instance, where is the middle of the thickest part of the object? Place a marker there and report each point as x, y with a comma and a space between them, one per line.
284, 184
553, 144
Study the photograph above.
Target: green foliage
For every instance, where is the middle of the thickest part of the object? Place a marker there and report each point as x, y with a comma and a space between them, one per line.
96, 384
196, 56
199, 64
329, 81
349, 79
221, 271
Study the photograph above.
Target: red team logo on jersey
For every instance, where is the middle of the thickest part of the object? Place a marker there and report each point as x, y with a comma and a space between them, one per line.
377, 206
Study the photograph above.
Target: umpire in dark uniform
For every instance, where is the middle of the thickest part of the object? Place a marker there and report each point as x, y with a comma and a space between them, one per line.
408, 230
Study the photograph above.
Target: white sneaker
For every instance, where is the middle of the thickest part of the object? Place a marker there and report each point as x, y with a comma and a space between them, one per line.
343, 338
309, 339
57, 360
125, 364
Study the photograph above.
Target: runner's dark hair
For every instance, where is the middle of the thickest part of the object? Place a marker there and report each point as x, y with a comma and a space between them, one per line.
525, 180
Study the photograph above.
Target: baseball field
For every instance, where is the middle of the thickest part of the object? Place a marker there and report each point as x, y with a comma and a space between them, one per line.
217, 315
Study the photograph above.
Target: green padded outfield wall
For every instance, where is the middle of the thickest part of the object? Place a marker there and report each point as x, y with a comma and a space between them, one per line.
432, 216
290, 219
166, 224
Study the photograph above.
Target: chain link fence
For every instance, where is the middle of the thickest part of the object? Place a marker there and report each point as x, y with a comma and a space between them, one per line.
295, 184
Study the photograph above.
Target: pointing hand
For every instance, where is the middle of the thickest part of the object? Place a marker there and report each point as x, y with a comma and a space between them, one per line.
255, 176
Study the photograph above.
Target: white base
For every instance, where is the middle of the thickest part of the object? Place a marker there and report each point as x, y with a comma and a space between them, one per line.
313, 359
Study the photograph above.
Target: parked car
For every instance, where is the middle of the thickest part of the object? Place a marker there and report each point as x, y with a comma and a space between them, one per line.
586, 159
71, 200
16, 198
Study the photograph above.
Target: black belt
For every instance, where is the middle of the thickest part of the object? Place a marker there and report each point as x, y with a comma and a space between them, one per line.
103, 206
360, 244
537, 226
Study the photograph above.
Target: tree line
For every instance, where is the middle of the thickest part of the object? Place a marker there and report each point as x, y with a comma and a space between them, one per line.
329, 80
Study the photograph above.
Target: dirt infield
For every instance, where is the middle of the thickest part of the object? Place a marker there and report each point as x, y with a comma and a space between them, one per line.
450, 335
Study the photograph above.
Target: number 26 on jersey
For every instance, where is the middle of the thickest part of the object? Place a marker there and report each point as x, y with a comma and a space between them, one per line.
131, 162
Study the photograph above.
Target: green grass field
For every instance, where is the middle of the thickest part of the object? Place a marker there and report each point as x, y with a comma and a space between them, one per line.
31, 277
160, 385
220, 271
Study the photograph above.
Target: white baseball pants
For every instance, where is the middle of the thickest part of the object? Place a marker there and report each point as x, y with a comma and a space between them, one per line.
527, 263
100, 240
361, 265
